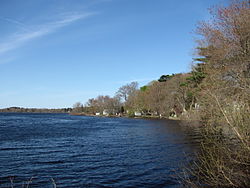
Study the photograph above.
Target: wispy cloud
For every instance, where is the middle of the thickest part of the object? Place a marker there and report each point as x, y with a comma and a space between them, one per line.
15, 22
16, 40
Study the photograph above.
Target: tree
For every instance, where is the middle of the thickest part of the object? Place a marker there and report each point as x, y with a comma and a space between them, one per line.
78, 107
101, 103
165, 78
224, 96
156, 96
137, 101
127, 90
143, 88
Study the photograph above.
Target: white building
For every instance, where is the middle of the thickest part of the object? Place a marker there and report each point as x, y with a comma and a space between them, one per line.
138, 114
105, 112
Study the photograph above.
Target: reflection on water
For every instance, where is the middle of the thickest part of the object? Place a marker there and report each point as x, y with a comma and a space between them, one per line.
92, 152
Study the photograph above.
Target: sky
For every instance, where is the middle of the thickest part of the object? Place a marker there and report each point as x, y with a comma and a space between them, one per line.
55, 53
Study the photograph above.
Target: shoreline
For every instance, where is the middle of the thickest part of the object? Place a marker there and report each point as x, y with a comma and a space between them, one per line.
186, 122
124, 116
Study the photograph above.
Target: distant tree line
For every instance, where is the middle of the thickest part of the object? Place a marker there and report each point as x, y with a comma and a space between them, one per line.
36, 110
172, 95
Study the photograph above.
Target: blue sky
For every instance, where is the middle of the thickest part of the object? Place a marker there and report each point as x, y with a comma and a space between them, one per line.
54, 53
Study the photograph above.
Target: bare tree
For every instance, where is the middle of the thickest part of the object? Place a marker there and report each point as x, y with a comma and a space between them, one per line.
101, 103
78, 107
127, 90
225, 97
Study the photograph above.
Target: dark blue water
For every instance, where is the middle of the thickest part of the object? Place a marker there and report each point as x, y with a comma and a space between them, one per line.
78, 151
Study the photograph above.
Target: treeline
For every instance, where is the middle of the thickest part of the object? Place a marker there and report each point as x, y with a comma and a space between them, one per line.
36, 110
216, 92
170, 96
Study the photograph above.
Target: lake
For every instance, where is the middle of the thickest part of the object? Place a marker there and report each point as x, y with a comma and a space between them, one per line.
80, 151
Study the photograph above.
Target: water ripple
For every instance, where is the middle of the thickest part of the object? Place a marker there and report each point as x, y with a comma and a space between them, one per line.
79, 151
